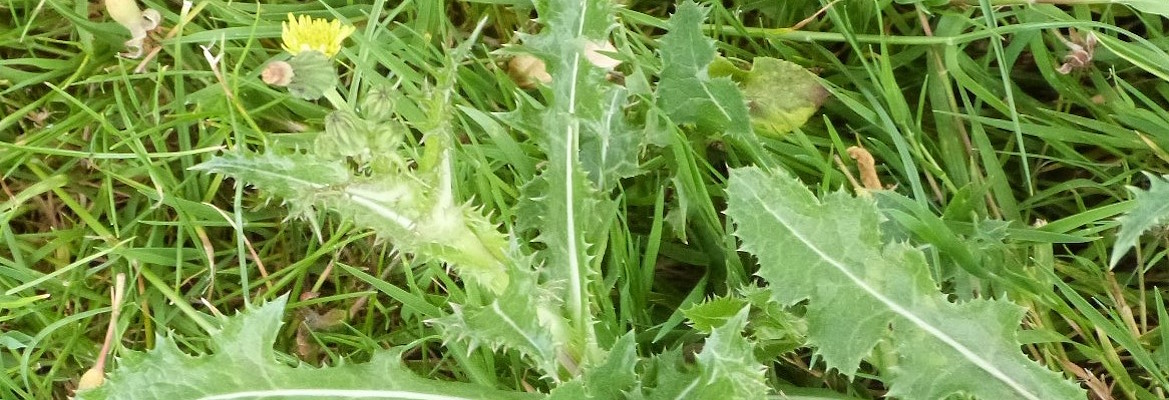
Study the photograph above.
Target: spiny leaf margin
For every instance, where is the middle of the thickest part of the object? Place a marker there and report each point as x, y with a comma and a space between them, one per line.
1150, 210
243, 364
829, 253
686, 91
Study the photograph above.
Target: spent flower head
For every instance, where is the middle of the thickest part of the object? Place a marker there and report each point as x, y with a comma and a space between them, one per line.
309, 34
137, 21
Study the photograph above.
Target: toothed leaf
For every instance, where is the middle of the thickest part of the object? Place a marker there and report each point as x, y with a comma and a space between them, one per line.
728, 365
611, 153
686, 91
524, 318
859, 293
1150, 210
713, 313
581, 115
611, 379
243, 365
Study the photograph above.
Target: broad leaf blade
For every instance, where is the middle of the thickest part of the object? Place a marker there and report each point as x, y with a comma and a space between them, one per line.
829, 253
1150, 210
782, 95
686, 91
242, 365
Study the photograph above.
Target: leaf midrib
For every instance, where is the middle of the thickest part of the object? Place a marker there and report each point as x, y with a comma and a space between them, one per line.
904, 312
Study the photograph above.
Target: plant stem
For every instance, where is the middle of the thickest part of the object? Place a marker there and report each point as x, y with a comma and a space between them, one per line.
336, 100
809, 36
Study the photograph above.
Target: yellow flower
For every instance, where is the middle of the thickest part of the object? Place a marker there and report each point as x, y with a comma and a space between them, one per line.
308, 34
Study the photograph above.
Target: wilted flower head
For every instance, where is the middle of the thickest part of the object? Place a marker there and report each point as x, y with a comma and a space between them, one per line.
138, 22
278, 73
308, 34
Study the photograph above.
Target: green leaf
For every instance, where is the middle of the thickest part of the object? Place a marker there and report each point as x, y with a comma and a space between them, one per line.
399, 207
774, 330
713, 313
667, 377
610, 153
243, 365
686, 91
290, 177
726, 368
1159, 7
781, 95
570, 212
859, 293
611, 379
608, 380
1150, 209
728, 365
523, 318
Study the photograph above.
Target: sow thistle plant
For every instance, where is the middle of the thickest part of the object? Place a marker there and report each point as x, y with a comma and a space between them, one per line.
864, 301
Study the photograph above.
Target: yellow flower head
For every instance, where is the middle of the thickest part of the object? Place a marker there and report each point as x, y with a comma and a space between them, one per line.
308, 34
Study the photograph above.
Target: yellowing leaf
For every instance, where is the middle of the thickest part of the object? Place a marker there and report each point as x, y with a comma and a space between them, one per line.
781, 95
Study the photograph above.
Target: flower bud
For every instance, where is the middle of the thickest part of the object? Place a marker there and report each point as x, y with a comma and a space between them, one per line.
348, 133
378, 104
386, 136
313, 74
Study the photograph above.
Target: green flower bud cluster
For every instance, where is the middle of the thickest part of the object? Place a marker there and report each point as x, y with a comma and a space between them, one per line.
378, 104
372, 139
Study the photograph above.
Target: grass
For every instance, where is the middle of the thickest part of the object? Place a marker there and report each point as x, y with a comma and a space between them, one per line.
1010, 167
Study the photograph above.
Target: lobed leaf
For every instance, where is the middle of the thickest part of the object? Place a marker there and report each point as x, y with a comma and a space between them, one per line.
243, 365
860, 293
667, 377
1150, 210
726, 368
728, 365
613, 378
524, 318
713, 313
686, 91
583, 114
